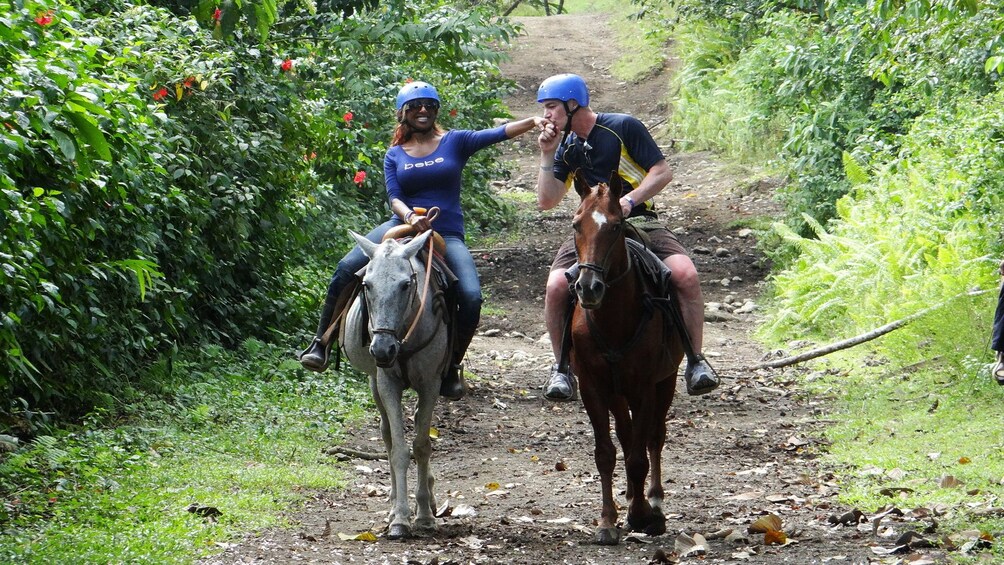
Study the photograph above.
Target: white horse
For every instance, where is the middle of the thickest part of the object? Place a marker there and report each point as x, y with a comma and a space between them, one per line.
396, 332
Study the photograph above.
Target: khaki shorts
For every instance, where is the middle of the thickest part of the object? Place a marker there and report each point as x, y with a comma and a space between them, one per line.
664, 244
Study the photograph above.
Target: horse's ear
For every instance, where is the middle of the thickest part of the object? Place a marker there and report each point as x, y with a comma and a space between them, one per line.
615, 183
417, 242
368, 247
581, 183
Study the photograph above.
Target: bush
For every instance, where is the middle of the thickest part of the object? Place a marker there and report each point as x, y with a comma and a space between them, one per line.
159, 197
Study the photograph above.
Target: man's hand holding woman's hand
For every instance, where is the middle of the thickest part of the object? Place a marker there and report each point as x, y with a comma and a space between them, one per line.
548, 138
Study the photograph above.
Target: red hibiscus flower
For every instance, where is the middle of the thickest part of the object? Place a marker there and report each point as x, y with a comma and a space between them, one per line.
347, 117
217, 14
286, 65
160, 94
453, 113
43, 18
360, 177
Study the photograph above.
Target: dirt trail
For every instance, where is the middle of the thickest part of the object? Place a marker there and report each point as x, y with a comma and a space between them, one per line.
518, 473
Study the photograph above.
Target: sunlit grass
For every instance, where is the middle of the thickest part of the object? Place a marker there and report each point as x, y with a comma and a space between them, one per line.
244, 439
895, 435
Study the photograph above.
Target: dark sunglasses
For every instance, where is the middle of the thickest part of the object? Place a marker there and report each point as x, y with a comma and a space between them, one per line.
427, 103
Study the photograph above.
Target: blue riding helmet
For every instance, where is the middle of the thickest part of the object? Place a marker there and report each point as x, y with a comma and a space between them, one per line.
564, 87
414, 91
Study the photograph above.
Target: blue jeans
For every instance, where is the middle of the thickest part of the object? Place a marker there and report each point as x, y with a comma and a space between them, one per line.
997, 337
458, 259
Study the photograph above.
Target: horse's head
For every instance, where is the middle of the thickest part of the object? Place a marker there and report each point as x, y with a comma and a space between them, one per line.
391, 288
599, 237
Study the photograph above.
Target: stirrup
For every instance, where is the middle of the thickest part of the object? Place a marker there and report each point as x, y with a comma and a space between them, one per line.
700, 377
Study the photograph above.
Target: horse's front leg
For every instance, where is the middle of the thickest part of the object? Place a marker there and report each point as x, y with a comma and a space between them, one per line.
425, 498
388, 440
646, 416
623, 429
664, 393
599, 417
387, 392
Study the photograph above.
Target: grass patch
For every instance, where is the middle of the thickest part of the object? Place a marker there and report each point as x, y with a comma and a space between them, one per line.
897, 434
245, 439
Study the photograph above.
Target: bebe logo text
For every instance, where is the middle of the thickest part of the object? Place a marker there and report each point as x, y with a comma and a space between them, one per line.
421, 164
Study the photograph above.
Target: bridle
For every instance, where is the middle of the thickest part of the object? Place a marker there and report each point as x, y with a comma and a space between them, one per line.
601, 268
416, 295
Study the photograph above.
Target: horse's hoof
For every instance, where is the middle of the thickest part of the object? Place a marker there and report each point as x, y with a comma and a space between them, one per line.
656, 528
608, 536
652, 525
398, 531
426, 526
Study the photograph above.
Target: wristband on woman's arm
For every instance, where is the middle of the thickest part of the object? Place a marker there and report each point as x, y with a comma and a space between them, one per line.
630, 200
408, 215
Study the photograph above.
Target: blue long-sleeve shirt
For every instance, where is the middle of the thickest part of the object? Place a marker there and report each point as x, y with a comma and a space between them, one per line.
435, 180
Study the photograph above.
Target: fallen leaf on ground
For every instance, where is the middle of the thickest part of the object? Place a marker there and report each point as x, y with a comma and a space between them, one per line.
720, 534
849, 518
686, 546
948, 481
895, 491
764, 524
774, 537
364, 536
464, 511
752, 495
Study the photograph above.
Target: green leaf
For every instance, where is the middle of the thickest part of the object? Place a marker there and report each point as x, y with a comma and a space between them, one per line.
995, 63
90, 132
854, 172
66, 144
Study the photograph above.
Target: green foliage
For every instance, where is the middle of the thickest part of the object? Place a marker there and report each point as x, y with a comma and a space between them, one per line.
241, 431
911, 236
898, 433
160, 180
834, 78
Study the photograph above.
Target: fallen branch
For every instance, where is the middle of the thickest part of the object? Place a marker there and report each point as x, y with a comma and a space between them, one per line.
354, 453
851, 342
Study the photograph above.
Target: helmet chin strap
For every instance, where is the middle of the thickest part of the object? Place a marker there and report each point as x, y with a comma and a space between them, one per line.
568, 122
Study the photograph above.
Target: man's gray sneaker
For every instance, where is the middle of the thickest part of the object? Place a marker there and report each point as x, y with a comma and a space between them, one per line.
700, 377
560, 385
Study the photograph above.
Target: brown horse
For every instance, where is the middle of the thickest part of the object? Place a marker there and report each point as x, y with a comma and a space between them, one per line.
626, 353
